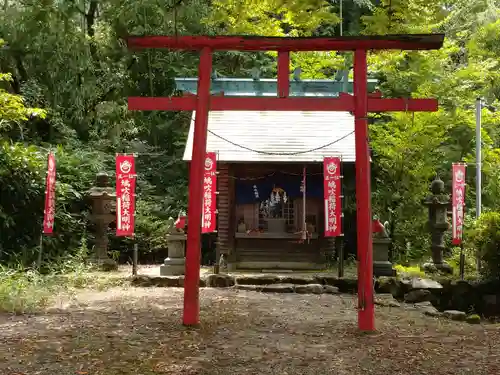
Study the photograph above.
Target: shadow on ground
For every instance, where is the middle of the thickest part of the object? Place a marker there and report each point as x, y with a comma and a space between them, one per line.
138, 331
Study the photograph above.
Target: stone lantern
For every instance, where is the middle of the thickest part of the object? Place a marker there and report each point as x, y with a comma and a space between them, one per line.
102, 198
437, 203
174, 265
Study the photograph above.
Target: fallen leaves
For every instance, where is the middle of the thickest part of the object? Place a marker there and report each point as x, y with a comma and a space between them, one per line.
139, 331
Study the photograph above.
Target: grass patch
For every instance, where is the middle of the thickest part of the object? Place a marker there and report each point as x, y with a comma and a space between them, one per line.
413, 271
28, 291
23, 291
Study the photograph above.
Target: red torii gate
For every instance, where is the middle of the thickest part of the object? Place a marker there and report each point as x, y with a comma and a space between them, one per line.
360, 104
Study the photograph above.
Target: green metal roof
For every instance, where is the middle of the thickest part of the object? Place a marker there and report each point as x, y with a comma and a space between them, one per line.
268, 87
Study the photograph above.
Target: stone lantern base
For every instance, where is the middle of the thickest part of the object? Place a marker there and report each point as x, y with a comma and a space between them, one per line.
174, 265
381, 264
105, 264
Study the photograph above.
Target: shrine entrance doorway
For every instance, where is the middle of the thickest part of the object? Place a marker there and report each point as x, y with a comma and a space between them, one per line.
360, 103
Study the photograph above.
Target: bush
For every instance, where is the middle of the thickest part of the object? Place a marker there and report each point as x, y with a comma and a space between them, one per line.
22, 187
23, 291
453, 259
413, 271
485, 238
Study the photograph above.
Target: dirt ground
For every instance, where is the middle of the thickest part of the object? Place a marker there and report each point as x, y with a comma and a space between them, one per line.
138, 331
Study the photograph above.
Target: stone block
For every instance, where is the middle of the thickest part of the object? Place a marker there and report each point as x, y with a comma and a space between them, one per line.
297, 280
277, 288
251, 288
455, 315
387, 301
309, 289
219, 281
326, 279
257, 280
418, 295
328, 289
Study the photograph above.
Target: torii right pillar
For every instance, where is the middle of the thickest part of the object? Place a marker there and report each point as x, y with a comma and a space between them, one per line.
366, 303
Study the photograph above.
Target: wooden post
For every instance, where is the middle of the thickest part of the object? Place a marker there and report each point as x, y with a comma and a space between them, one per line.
135, 256
283, 74
366, 310
40, 253
193, 252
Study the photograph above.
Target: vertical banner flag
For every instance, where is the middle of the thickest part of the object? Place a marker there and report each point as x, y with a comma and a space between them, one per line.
50, 196
208, 222
332, 188
125, 195
458, 202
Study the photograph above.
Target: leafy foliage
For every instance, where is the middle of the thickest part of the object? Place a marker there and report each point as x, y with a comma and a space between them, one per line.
485, 236
66, 75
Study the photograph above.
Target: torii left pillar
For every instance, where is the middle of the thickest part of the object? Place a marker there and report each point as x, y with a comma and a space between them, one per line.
196, 172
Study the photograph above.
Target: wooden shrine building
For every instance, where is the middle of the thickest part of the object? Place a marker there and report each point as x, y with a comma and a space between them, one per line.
262, 157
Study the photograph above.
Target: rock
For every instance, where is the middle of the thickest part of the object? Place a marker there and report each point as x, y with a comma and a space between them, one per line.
418, 295
473, 319
297, 280
147, 281
257, 280
278, 288
142, 281
432, 311
327, 280
328, 289
385, 285
219, 280
427, 308
422, 305
347, 285
252, 288
455, 315
429, 267
161, 281
419, 283
387, 301
441, 267
309, 289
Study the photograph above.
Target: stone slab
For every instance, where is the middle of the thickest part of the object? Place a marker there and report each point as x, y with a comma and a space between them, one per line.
309, 289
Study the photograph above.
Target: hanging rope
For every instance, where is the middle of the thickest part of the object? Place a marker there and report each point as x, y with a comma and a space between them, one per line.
280, 153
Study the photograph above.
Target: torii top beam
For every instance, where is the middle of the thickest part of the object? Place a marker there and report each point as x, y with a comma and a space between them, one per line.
259, 43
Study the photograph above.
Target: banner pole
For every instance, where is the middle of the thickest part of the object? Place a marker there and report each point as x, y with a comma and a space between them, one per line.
338, 241
462, 254
40, 252
462, 262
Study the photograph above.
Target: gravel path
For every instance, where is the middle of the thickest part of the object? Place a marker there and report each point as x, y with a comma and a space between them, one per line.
138, 331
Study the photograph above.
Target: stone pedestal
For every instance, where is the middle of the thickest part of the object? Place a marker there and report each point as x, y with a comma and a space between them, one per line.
174, 265
381, 264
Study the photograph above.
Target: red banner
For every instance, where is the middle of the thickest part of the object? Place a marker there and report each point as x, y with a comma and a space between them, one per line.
332, 188
458, 202
209, 222
49, 212
125, 195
